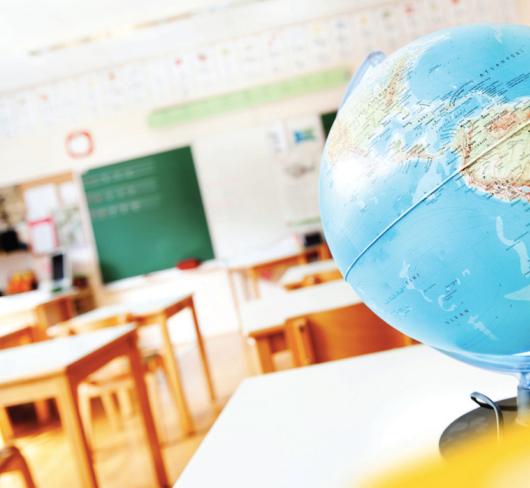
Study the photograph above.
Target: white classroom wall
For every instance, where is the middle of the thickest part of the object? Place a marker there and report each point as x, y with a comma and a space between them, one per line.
119, 136
125, 135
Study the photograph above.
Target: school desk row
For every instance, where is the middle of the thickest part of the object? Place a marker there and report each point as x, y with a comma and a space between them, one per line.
28, 317
25, 385
63, 368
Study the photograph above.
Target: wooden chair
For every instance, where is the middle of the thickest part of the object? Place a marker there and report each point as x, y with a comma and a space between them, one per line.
54, 311
112, 380
275, 267
321, 277
340, 333
11, 460
324, 252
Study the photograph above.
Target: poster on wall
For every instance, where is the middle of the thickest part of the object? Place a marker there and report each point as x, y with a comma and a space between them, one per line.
43, 236
298, 146
69, 226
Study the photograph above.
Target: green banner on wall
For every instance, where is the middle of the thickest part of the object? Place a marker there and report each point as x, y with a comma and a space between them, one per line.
248, 98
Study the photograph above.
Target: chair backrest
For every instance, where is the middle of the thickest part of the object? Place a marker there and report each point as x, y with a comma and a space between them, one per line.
52, 312
340, 333
272, 270
321, 277
324, 252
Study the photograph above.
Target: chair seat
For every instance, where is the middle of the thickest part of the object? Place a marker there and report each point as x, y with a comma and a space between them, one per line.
118, 369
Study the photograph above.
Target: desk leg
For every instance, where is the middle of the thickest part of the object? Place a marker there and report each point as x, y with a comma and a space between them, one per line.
6, 429
148, 423
71, 421
173, 373
202, 351
265, 355
254, 281
235, 298
245, 284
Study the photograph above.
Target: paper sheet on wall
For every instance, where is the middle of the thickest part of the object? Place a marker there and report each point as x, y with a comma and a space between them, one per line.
245, 212
69, 192
41, 201
298, 170
69, 227
43, 236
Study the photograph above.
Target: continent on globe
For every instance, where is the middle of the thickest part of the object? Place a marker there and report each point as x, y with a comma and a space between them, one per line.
496, 163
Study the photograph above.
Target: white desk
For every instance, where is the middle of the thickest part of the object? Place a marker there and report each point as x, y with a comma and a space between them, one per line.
334, 424
296, 274
20, 307
33, 308
275, 310
263, 320
157, 311
146, 307
56, 368
250, 267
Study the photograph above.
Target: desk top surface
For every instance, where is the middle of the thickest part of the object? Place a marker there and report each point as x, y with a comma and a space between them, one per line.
9, 329
42, 359
147, 307
295, 274
275, 310
27, 301
337, 423
265, 256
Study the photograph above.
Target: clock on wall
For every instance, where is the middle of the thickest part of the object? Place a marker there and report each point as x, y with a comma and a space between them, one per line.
79, 144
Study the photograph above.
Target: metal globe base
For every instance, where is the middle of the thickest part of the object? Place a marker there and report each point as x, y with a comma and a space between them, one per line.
490, 416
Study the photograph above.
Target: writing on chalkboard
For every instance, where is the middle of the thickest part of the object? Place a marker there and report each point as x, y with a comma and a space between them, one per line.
125, 190
147, 214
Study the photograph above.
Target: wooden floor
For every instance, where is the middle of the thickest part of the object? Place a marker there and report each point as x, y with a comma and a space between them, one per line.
121, 458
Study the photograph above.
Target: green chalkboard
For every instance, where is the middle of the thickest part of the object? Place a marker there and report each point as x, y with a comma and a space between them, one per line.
327, 120
147, 214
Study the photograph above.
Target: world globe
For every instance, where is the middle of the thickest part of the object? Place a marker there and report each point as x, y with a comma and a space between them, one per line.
425, 192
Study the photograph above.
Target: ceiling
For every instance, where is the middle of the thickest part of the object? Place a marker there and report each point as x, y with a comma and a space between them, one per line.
38, 25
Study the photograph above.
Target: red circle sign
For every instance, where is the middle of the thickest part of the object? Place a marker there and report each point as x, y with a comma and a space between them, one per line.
79, 144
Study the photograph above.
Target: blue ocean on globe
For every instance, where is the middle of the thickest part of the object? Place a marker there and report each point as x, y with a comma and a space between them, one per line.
425, 190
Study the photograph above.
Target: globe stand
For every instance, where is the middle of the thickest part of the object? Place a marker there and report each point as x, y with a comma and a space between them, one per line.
490, 416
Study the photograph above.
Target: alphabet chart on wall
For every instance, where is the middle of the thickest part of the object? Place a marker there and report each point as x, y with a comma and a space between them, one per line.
235, 64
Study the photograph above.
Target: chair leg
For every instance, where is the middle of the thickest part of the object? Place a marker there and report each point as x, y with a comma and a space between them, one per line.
124, 401
86, 415
110, 409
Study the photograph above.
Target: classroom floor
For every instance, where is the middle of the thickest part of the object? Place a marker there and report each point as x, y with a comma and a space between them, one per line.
121, 457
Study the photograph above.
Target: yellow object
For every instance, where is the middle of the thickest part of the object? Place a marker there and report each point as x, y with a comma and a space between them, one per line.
481, 463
